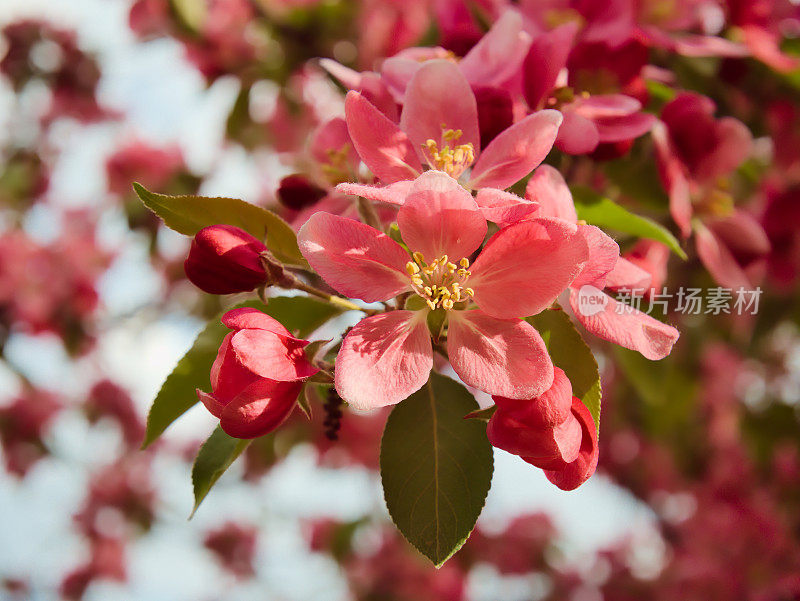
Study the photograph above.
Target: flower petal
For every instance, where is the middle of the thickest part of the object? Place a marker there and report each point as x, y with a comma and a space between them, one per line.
500, 357
607, 105
271, 356
393, 193
548, 188
546, 58
673, 175
517, 151
622, 325
603, 255
383, 147
384, 359
523, 268
504, 208
260, 408
440, 217
354, 258
719, 260
620, 129
627, 274
439, 97
575, 473
499, 54
577, 134
249, 318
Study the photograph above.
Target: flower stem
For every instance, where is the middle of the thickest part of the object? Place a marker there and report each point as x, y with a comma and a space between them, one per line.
332, 298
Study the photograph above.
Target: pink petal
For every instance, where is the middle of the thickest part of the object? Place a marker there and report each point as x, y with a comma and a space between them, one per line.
384, 359
765, 46
398, 70
211, 403
438, 98
548, 188
550, 409
517, 151
355, 259
349, 78
577, 134
628, 275
504, 208
271, 356
734, 144
499, 54
246, 317
606, 105
706, 45
228, 375
603, 256
542, 428
260, 408
719, 260
546, 58
621, 325
393, 193
440, 218
500, 357
523, 268
383, 147
620, 129
741, 233
333, 136
673, 175
575, 473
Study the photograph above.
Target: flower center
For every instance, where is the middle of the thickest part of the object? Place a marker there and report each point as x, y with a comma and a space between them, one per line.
440, 283
448, 156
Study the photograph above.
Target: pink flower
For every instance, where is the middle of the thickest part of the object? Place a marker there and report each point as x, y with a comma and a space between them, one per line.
626, 326
224, 259
439, 128
569, 475
588, 120
257, 375
520, 272
492, 62
694, 152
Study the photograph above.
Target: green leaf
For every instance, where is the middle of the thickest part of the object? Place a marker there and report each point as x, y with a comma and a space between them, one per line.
299, 314
436, 468
569, 352
189, 214
215, 456
598, 210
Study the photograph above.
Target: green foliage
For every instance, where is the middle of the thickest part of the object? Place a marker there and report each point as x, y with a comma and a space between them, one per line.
436, 468
301, 315
598, 210
189, 214
215, 456
569, 352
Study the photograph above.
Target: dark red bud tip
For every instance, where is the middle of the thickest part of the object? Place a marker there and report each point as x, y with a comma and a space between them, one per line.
495, 112
296, 192
224, 259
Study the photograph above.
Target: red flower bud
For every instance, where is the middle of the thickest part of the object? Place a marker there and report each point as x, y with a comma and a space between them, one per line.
569, 476
224, 259
296, 192
257, 375
542, 430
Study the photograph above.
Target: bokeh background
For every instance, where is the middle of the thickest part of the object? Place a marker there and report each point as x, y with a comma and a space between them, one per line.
698, 491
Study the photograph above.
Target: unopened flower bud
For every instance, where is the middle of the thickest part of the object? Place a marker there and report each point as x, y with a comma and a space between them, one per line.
224, 259
296, 192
